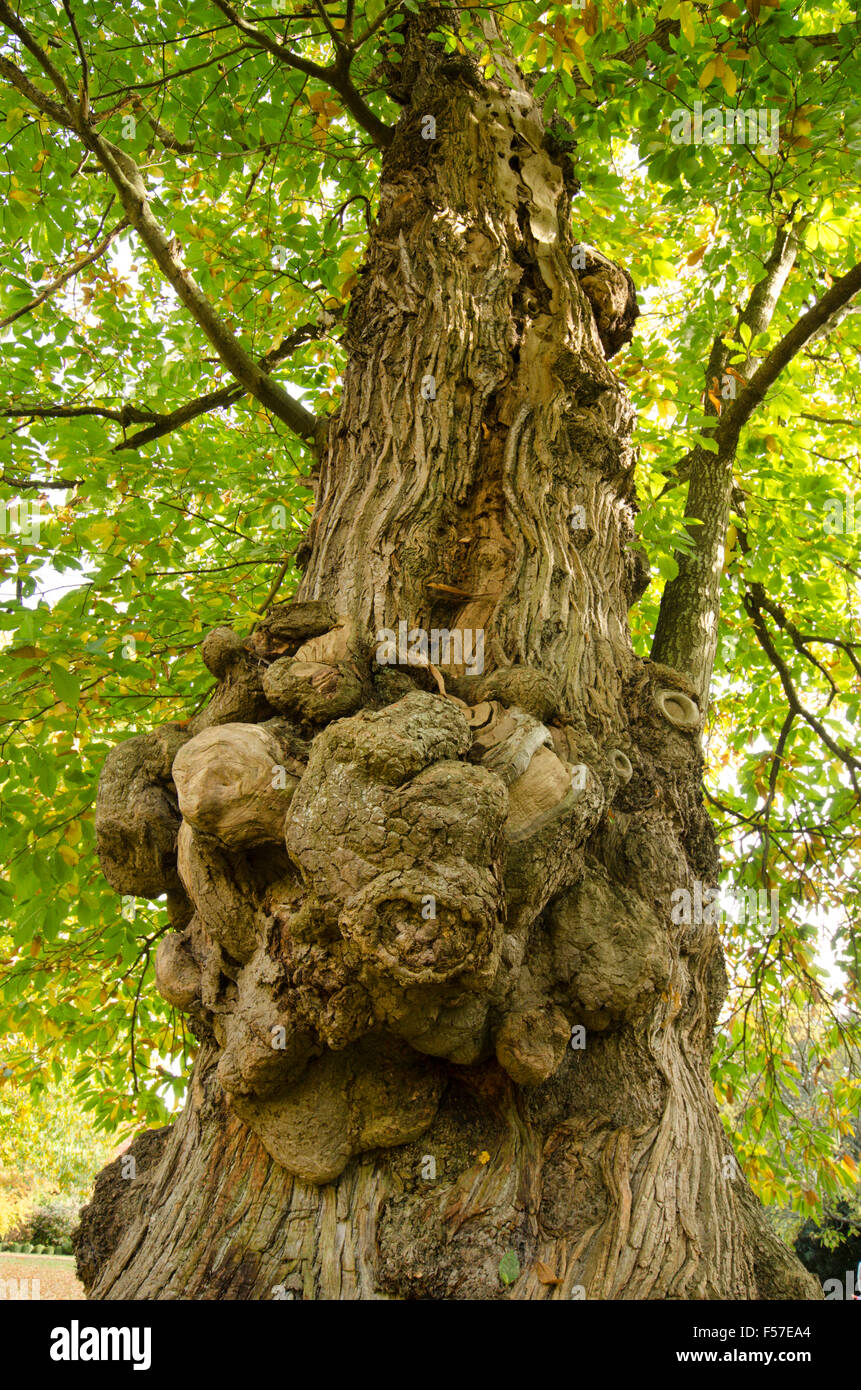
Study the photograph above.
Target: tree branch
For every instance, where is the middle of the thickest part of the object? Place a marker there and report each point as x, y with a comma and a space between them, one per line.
687, 629
825, 309
756, 316
40, 484
34, 94
157, 423
163, 135
128, 180
125, 415
764, 638
337, 76
65, 276
85, 72
224, 396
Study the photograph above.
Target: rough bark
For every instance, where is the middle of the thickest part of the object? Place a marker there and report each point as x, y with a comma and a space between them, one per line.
387, 1099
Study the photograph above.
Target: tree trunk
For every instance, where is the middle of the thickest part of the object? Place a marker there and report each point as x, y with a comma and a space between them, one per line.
457, 1019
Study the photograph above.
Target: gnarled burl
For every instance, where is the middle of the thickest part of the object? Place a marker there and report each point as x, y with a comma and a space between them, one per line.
396, 908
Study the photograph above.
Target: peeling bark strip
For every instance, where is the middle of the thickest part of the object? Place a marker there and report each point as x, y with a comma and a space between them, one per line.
446, 1017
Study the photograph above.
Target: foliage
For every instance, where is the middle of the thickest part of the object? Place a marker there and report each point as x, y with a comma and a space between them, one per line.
266, 181
49, 1224
49, 1151
16, 1200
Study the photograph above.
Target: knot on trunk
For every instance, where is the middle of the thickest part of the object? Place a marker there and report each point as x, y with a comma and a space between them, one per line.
363, 899
611, 293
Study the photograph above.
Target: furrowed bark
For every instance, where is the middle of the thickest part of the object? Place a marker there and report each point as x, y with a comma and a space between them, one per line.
525, 1068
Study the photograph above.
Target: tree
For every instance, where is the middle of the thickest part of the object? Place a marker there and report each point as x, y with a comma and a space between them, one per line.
439, 882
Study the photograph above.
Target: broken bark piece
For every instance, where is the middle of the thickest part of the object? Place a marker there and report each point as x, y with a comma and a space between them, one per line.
546, 854
480, 715
332, 647
235, 781
508, 741
541, 787
137, 816
521, 751
325, 677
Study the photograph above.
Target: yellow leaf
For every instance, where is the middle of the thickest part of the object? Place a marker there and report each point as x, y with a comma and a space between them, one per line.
729, 80
686, 20
707, 74
828, 239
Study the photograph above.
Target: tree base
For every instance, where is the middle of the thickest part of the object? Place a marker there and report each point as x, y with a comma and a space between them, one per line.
590, 1208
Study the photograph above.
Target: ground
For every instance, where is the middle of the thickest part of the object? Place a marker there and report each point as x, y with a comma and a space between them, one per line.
56, 1275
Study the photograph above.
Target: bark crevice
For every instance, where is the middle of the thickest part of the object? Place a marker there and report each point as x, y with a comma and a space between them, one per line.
445, 1009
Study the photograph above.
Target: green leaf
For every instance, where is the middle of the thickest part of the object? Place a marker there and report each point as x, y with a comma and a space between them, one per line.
509, 1267
667, 566
66, 685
